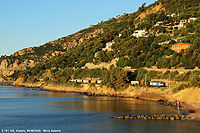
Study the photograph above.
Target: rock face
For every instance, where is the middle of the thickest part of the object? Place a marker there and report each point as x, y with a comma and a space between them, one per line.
19, 80
155, 9
8, 67
153, 117
102, 64
24, 51
4, 64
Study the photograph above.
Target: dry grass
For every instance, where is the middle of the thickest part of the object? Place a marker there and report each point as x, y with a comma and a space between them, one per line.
188, 95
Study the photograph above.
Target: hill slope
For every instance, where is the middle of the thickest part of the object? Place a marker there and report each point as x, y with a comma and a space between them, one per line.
80, 48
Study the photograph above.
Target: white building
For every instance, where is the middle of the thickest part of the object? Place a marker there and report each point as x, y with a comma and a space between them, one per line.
109, 44
173, 15
139, 33
184, 21
159, 23
191, 19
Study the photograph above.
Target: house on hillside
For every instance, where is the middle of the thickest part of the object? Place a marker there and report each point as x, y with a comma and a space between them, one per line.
159, 23
183, 22
139, 33
108, 46
173, 15
179, 46
191, 19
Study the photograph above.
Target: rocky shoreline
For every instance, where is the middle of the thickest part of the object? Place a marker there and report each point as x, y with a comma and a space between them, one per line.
160, 96
153, 117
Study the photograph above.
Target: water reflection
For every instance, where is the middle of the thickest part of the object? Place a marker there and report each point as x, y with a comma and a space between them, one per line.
47, 94
117, 105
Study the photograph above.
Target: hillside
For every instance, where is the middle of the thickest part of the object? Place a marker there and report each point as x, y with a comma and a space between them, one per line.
74, 51
29, 57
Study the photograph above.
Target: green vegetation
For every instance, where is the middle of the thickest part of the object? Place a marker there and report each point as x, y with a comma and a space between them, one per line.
178, 88
86, 47
195, 79
73, 84
115, 78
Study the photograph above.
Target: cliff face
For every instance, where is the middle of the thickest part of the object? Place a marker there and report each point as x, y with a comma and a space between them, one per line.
19, 81
7, 67
102, 64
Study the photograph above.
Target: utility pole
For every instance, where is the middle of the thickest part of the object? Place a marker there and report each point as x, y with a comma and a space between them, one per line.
169, 80
145, 79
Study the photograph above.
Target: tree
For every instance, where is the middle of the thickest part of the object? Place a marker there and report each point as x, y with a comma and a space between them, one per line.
115, 78
122, 62
141, 74
183, 16
195, 80
197, 28
172, 42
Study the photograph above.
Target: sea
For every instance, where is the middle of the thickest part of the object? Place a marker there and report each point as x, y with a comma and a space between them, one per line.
31, 110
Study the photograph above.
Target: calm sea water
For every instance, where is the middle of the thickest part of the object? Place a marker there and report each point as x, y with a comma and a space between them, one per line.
22, 110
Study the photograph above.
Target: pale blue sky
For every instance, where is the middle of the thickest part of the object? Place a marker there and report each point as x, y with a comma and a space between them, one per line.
29, 23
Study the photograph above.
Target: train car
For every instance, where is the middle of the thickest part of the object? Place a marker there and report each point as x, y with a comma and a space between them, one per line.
86, 81
99, 81
157, 83
73, 80
135, 82
93, 81
79, 80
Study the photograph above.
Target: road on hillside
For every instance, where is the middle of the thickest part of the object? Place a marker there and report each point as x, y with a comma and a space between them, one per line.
163, 70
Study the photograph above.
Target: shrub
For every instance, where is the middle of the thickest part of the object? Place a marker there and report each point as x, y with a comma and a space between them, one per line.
178, 88
73, 84
46, 79
195, 80
163, 88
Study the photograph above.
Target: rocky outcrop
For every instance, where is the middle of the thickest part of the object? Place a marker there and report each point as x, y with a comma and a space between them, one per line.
153, 117
156, 8
19, 81
4, 64
102, 64
7, 67
24, 51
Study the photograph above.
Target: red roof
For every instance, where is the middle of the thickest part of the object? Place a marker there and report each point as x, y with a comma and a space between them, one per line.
110, 42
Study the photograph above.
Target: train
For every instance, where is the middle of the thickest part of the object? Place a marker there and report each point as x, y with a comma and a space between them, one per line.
157, 84
149, 83
85, 81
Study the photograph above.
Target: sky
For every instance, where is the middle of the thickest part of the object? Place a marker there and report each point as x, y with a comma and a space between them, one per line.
31, 23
